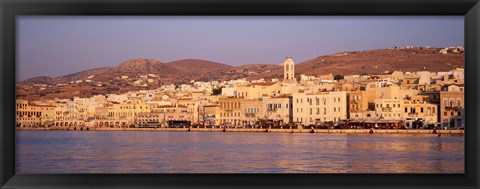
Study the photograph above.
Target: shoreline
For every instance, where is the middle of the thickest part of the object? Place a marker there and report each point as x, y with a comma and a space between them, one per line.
256, 130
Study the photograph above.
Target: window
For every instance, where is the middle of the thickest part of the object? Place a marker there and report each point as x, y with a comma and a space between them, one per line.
421, 110
406, 109
451, 113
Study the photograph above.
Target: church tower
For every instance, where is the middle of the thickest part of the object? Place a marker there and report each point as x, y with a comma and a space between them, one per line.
288, 70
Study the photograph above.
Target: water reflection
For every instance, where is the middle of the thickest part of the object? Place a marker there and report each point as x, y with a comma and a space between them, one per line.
208, 152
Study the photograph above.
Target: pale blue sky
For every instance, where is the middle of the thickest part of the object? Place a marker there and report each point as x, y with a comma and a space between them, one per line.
59, 45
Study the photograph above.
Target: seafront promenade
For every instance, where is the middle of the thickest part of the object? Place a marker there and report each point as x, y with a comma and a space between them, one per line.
256, 130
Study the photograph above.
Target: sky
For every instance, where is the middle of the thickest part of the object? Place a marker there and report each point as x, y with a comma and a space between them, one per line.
59, 45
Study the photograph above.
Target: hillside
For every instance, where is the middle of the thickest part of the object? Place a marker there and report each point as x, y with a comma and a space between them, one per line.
377, 61
110, 80
66, 78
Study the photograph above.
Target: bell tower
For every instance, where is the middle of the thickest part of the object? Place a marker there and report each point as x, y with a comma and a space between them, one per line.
288, 70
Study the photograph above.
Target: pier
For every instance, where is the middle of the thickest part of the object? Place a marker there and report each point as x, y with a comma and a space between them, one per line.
258, 130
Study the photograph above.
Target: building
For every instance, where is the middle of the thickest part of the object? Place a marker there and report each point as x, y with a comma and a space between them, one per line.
27, 114
252, 110
389, 109
361, 101
418, 108
452, 109
279, 109
211, 114
258, 90
230, 111
311, 109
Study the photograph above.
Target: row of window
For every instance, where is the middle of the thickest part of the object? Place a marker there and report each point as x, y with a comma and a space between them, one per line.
335, 109
452, 103
27, 119
413, 110
317, 120
29, 114
134, 107
388, 105
230, 114
275, 106
357, 97
252, 110
317, 100
230, 105
452, 113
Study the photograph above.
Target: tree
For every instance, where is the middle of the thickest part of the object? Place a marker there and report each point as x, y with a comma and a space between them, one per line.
217, 91
338, 77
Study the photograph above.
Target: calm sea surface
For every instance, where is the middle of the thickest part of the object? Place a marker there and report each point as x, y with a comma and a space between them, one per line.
217, 152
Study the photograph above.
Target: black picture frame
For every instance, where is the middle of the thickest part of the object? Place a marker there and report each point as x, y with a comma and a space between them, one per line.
9, 9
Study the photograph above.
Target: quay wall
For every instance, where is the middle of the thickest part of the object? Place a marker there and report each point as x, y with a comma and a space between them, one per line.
256, 130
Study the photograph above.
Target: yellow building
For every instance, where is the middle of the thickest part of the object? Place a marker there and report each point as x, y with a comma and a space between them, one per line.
258, 90
252, 110
418, 108
410, 82
392, 92
395, 76
27, 114
389, 109
230, 111
211, 114
310, 109
360, 101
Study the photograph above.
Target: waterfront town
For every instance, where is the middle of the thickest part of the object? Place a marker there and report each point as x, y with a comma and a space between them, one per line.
392, 99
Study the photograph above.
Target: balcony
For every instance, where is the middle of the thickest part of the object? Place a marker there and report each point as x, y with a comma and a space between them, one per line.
454, 108
386, 109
